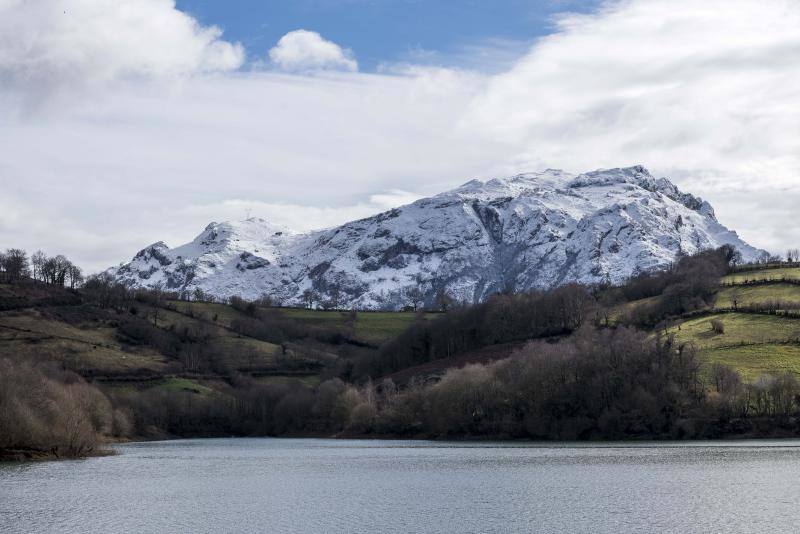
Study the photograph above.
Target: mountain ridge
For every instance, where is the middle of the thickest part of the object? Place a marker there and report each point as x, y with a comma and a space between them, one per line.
533, 230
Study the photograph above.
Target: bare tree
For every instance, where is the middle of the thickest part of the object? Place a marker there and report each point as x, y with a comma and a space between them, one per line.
37, 259
74, 275
724, 377
55, 270
308, 297
15, 264
415, 296
736, 296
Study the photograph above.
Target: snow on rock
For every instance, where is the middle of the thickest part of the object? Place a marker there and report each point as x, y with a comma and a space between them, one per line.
536, 230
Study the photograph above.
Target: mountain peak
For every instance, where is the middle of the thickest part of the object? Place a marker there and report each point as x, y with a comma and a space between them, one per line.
532, 230
636, 175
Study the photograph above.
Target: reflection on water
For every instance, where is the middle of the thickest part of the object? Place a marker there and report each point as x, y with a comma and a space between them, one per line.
308, 485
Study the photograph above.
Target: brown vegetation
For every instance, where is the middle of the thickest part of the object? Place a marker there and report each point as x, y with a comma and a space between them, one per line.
717, 326
50, 411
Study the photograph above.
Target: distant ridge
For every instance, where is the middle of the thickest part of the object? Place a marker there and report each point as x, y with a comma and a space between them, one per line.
535, 230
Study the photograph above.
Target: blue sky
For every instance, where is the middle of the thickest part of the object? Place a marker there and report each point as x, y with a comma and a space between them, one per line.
388, 31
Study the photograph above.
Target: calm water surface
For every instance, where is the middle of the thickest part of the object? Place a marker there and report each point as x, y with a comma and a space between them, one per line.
325, 486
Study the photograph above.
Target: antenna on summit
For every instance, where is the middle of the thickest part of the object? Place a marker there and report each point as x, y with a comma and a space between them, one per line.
247, 214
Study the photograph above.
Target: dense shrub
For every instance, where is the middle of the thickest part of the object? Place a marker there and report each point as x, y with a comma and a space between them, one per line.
50, 411
717, 326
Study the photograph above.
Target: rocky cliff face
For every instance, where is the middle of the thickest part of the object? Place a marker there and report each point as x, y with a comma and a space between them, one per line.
535, 230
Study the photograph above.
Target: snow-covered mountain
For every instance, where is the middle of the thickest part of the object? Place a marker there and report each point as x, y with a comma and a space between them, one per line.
534, 230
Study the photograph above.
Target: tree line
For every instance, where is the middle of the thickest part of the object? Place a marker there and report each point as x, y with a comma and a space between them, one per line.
17, 267
598, 384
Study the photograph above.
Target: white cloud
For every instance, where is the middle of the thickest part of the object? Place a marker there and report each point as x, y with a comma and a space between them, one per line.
297, 217
705, 92
709, 91
392, 199
488, 56
50, 45
144, 165
306, 51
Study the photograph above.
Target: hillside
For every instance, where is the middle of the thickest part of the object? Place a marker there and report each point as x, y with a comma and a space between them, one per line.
148, 365
537, 230
100, 343
759, 313
165, 365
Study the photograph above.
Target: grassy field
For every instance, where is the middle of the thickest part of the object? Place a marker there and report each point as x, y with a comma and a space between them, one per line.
221, 314
85, 339
775, 275
370, 327
248, 352
752, 344
630, 309
740, 328
753, 361
745, 295
92, 349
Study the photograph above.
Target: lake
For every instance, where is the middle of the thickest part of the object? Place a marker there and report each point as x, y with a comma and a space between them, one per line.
325, 486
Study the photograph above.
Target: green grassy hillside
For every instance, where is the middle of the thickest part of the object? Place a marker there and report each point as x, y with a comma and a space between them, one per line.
90, 340
370, 327
772, 275
753, 344
88, 347
54, 325
749, 295
753, 361
740, 329
241, 351
57, 327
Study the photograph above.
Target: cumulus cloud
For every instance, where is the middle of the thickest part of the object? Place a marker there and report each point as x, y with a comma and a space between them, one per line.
49, 45
305, 51
705, 92
308, 152
708, 91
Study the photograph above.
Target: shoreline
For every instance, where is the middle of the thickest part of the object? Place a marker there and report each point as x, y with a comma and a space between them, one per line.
477, 439
19, 455
29, 454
